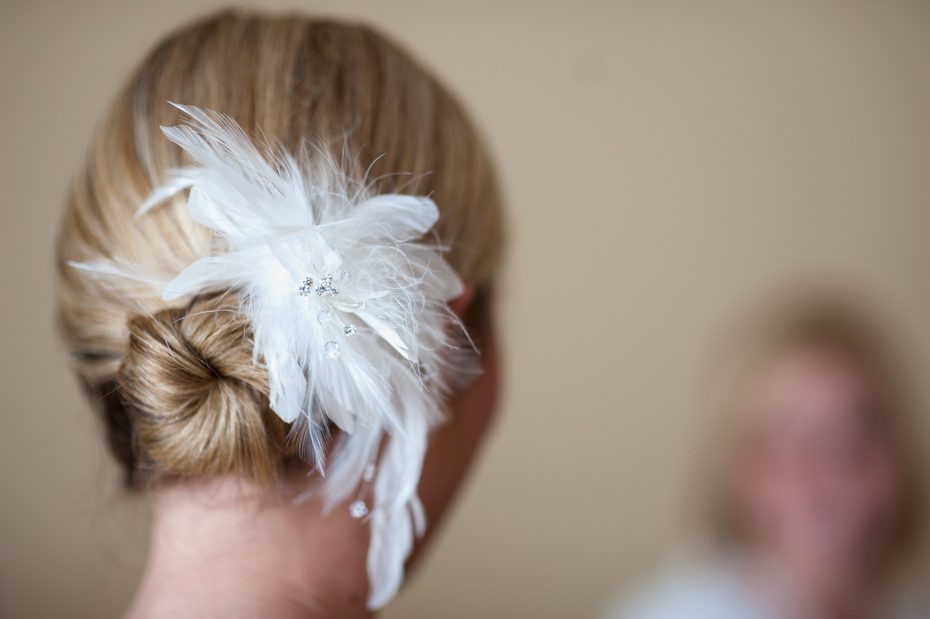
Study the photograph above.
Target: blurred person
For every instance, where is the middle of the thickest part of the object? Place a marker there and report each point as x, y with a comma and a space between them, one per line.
273, 303
814, 494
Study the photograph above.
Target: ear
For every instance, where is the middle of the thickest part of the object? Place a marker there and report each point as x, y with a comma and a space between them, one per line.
461, 303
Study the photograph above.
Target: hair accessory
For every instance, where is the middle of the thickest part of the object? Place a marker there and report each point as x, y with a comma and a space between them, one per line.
348, 311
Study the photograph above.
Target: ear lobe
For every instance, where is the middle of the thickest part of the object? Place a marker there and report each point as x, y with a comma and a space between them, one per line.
461, 303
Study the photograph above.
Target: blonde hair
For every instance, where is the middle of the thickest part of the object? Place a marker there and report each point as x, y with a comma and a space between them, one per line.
176, 385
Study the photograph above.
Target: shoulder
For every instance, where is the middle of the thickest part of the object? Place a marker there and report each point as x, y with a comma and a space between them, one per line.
691, 592
906, 601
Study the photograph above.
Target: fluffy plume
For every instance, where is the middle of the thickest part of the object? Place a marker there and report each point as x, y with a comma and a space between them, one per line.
348, 309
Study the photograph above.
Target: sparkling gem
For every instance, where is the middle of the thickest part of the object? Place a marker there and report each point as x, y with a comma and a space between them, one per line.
358, 509
350, 330
369, 473
306, 287
327, 286
360, 305
331, 349
324, 317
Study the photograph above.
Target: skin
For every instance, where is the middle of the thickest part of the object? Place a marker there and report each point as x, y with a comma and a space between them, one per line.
818, 481
226, 548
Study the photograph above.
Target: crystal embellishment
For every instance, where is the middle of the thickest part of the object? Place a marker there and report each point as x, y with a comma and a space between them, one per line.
350, 330
306, 287
358, 509
327, 286
331, 349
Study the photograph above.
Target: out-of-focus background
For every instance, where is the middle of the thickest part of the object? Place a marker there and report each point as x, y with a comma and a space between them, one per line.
666, 163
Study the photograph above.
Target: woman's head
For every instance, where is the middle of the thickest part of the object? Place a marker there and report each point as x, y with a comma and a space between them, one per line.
814, 469
176, 382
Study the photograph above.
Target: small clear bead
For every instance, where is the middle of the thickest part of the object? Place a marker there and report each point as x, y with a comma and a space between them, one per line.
324, 317
350, 330
360, 305
369, 473
358, 509
306, 287
327, 286
331, 349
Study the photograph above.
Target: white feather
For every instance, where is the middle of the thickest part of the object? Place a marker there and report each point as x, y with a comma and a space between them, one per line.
365, 350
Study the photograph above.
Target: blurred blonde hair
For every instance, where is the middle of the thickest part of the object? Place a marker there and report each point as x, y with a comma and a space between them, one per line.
176, 385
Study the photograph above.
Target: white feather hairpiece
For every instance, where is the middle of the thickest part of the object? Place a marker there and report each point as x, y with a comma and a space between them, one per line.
348, 310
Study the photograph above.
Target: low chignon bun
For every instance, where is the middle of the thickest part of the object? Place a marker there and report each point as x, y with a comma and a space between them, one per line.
197, 401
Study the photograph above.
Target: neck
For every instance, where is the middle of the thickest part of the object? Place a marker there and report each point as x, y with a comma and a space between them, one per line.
823, 593
226, 548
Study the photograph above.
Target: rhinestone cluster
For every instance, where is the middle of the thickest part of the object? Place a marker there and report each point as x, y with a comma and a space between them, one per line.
326, 287
306, 287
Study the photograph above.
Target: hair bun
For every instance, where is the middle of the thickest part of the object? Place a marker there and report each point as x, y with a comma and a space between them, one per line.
197, 401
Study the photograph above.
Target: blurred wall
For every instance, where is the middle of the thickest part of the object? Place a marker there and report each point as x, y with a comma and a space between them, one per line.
666, 163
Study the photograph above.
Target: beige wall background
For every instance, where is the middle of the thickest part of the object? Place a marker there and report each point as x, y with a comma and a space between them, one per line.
666, 164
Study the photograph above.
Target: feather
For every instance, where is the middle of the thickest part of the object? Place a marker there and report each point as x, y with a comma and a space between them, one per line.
348, 309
